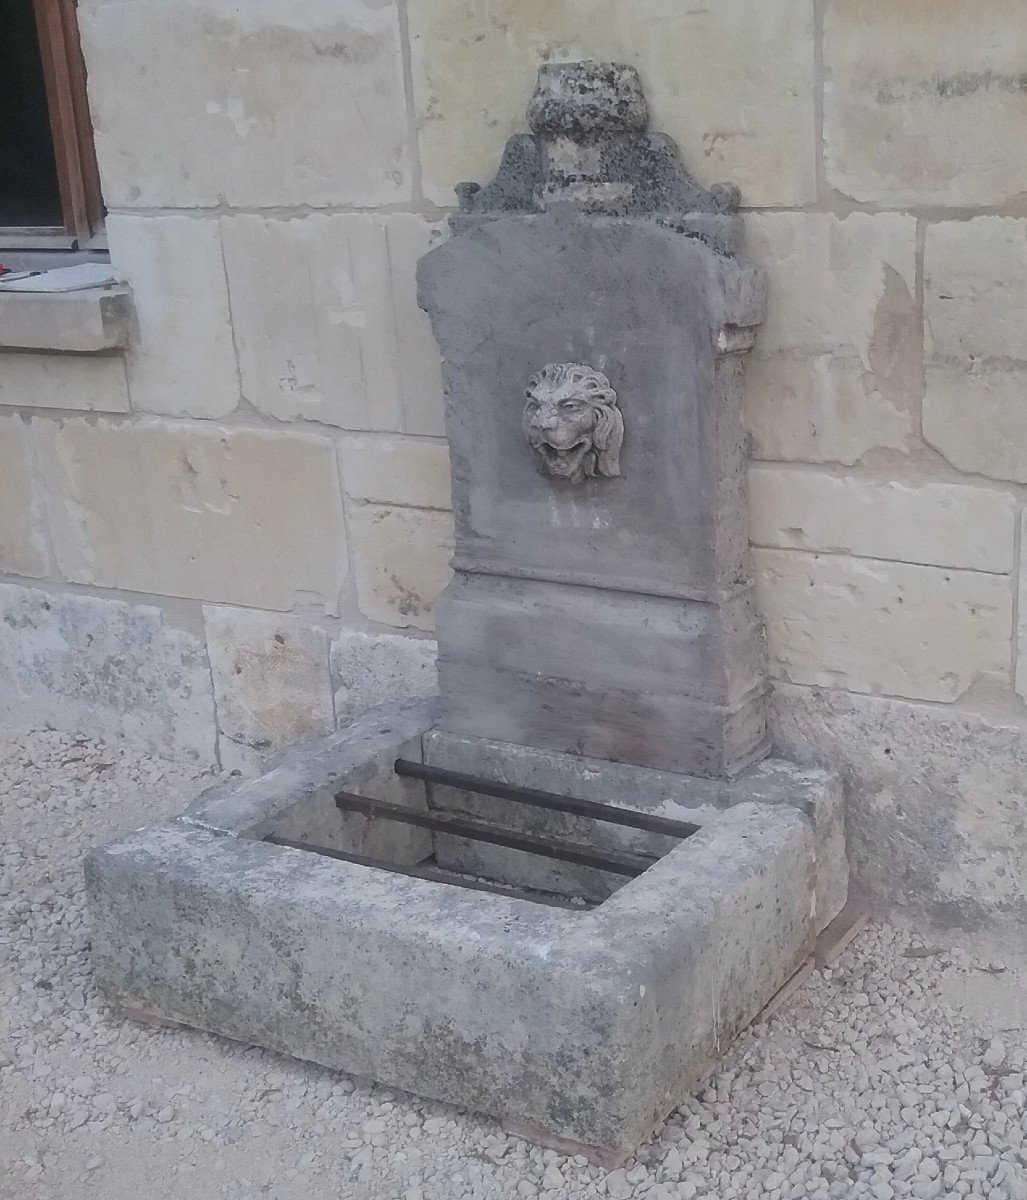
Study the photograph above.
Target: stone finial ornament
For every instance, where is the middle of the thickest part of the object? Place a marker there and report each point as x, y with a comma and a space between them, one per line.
583, 99
572, 422
590, 147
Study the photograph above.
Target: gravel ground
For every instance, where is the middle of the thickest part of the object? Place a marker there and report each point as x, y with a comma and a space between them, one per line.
898, 1073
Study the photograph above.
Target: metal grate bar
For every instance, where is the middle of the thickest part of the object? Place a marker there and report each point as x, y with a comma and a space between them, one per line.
433, 873
619, 862
540, 799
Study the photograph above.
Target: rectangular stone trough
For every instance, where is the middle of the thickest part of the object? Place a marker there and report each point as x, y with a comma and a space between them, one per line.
573, 1024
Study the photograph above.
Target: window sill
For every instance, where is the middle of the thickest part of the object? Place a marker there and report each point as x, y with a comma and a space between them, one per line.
90, 321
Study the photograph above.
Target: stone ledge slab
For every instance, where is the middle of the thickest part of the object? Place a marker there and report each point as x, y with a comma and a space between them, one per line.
924, 102
271, 680
870, 625
74, 382
732, 83
86, 322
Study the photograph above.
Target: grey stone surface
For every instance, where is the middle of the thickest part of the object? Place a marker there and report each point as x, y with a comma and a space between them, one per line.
678, 732
586, 1025
106, 668
936, 801
521, 292
369, 669
646, 307
815, 793
612, 639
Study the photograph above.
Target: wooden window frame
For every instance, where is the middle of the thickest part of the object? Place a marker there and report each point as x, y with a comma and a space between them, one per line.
78, 180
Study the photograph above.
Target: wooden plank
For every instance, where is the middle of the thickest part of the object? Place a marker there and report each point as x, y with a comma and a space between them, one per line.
609, 1160
64, 76
786, 993
840, 932
36, 237
94, 207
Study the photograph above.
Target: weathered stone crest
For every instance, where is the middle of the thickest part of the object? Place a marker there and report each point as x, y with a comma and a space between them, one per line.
572, 422
590, 147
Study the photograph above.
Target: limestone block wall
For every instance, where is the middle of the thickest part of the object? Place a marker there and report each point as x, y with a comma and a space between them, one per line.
231, 536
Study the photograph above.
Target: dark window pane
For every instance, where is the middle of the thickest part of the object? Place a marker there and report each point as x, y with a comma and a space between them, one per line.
28, 176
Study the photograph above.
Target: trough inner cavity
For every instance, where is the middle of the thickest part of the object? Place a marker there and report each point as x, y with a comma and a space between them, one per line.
612, 844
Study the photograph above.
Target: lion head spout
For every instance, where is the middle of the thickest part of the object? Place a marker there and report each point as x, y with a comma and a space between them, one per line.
572, 422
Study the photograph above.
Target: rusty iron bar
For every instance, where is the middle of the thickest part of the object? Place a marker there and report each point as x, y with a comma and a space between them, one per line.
617, 861
539, 799
432, 873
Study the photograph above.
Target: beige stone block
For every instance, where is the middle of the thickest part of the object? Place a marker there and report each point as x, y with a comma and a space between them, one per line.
884, 627
975, 295
181, 361
836, 371
272, 685
820, 410
84, 382
201, 102
327, 323
975, 288
732, 82
977, 419
400, 562
924, 101
239, 516
22, 540
939, 524
829, 278
396, 470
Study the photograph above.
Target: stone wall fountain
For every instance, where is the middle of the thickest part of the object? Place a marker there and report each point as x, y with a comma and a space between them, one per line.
559, 895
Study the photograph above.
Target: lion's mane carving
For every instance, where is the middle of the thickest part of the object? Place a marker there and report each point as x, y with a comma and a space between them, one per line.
572, 422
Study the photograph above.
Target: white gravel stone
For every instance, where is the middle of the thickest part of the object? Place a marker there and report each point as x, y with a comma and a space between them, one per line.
869, 1085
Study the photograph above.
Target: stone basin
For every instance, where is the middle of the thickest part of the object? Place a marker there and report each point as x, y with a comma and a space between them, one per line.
580, 1027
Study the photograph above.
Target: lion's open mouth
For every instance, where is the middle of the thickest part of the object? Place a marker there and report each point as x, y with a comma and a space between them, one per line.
563, 461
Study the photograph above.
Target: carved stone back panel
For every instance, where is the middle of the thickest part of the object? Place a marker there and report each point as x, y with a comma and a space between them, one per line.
592, 309
643, 307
